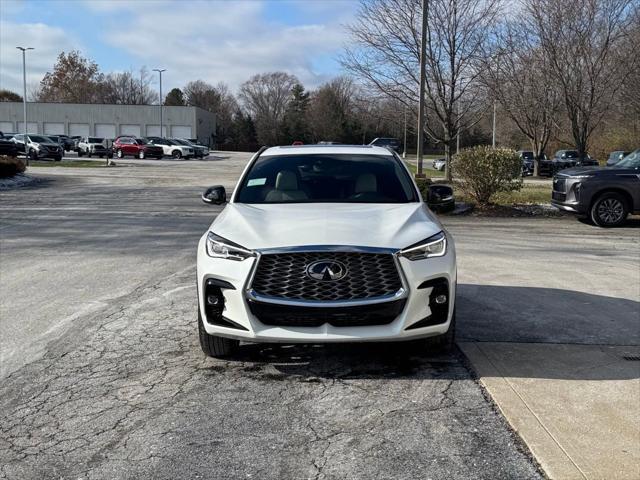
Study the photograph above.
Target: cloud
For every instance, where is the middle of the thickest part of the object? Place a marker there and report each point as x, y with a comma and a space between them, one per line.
47, 42
221, 41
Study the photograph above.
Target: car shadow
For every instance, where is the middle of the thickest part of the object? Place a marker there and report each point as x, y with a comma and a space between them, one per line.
553, 322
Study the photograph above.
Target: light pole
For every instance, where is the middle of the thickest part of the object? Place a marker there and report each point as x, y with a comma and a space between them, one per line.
458, 130
404, 152
423, 46
160, 70
24, 99
493, 139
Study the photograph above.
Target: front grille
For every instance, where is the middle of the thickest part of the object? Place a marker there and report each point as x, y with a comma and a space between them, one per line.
559, 184
368, 275
353, 316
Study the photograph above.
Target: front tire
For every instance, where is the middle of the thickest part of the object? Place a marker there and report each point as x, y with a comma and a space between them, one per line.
214, 346
443, 343
177, 154
609, 210
33, 155
119, 153
141, 155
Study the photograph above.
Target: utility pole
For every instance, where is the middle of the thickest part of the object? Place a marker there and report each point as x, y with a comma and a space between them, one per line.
423, 46
24, 99
161, 102
493, 140
404, 152
458, 130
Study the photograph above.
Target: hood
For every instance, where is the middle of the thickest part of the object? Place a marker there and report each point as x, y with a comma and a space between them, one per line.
298, 224
570, 172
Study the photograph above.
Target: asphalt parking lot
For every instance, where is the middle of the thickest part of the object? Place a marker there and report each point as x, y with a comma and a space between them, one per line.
102, 375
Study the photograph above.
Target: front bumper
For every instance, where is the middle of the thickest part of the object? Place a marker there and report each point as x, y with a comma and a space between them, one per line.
413, 312
568, 195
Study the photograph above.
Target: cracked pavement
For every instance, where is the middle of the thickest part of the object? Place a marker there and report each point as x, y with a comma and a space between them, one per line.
103, 377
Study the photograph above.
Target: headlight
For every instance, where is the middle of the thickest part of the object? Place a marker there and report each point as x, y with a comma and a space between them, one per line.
218, 247
435, 246
582, 176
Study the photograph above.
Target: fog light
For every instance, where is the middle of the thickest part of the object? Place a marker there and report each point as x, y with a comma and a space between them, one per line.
213, 300
440, 299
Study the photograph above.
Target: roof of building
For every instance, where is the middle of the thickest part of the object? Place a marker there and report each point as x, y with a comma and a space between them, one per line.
320, 149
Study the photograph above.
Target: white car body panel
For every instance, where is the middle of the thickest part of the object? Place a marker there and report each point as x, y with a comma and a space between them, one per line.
340, 225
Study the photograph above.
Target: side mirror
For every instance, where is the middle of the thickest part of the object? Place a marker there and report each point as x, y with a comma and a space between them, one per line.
440, 198
216, 195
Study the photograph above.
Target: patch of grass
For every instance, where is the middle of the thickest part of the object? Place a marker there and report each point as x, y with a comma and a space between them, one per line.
529, 194
68, 163
428, 171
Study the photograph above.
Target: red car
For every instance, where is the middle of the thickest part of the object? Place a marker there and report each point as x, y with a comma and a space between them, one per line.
136, 147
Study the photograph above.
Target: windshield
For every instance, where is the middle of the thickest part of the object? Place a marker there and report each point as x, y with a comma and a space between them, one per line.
140, 141
630, 161
324, 178
179, 142
95, 140
527, 155
39, 139
571, 154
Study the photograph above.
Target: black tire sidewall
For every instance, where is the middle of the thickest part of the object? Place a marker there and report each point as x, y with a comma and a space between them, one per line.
594, 215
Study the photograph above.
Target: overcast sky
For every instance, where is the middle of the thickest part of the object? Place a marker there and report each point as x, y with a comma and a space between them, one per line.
212, 40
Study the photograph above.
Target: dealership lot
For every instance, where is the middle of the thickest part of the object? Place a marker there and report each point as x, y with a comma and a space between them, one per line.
102, 375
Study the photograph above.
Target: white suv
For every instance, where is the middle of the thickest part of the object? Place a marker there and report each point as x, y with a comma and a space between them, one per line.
171, 148
324, 244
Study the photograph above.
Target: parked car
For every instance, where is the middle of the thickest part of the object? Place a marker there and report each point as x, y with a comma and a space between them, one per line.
92, 146
76, 139
615, 157
527, 157
199, 151
605, 195
7, 147
59, 140
439, 164
38, 146
67, 142
379, 266
387, 142
564, 159
124, 146
172, 149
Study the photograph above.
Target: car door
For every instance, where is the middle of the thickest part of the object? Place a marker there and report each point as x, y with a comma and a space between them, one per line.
127, 147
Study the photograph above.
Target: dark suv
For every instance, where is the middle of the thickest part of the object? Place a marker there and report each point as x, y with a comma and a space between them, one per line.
137, 147
604, 195
565, 159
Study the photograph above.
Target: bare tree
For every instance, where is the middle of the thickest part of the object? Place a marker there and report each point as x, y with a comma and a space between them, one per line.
74, 79
331, 111
517, 75
582, 41
266, 97
128, 88
386, 55
214, 98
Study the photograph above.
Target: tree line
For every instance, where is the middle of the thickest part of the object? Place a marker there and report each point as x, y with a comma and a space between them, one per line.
556, 70
271, 108
558, 73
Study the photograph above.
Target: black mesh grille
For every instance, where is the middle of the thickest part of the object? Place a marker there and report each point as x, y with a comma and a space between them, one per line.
368, 275
355, 316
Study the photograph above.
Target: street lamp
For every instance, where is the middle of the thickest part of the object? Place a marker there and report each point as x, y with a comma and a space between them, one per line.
24, 98
404, 152
160, 70
421, 89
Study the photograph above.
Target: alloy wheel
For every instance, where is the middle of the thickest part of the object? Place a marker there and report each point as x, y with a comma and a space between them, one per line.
610, 210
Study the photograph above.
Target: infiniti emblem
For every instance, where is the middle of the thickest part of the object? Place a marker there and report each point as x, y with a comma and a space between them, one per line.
326, 270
